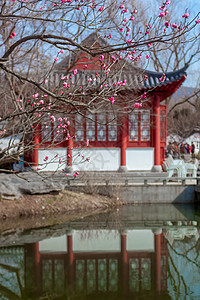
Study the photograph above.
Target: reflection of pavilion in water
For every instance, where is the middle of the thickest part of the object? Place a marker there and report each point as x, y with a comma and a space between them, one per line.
103, 261
96, 261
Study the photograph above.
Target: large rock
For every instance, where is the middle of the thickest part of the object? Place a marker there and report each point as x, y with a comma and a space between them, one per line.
13, 186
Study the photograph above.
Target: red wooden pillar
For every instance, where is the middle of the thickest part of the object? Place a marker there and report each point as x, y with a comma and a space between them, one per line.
69, 152
32, 269
157, 242
36, 141
37, 274
157, 166
124, 263
70, 258
70, 146
124, 139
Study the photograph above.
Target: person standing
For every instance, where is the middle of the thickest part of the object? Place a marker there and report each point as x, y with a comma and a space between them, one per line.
182, 148
192, 148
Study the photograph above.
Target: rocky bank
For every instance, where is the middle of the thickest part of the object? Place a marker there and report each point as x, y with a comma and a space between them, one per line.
32, 194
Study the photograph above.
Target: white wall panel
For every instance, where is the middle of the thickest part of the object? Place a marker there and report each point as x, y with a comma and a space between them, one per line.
96, 240
140, 240
52, 163
138, 159
54, 244
107, 159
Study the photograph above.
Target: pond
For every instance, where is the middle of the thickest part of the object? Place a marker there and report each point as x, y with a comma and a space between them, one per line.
135, 252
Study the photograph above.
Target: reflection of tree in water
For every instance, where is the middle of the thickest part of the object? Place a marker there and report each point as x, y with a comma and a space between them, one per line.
110, 220
184, 267
11, 272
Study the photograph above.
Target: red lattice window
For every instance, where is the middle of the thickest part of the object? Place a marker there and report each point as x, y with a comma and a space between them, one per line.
134, 126
112, 128
80, 128
145, 125
139, 126
52, 131
90, 127
46, 131
96, 128
101, 127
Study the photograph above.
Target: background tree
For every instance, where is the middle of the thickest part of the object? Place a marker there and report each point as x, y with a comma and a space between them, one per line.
185, 121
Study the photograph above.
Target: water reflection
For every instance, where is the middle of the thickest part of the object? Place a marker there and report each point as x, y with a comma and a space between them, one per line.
111, 256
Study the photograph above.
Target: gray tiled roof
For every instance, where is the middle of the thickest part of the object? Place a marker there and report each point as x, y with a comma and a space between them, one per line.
135, 77
135, 80
154, 77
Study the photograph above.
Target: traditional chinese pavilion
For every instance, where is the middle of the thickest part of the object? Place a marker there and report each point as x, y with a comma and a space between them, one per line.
135, 139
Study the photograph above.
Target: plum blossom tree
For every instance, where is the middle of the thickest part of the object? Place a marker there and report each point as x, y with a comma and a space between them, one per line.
36, 35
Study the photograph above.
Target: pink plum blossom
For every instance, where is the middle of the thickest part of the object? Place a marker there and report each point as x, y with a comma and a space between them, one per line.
137, 105
162, 14
186, 15
112, 100
35, 95
163, 77
56, 58
52, 119
101, 8
75, 71
101, 57
174, 25
166, 24
76, 174
144, 95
